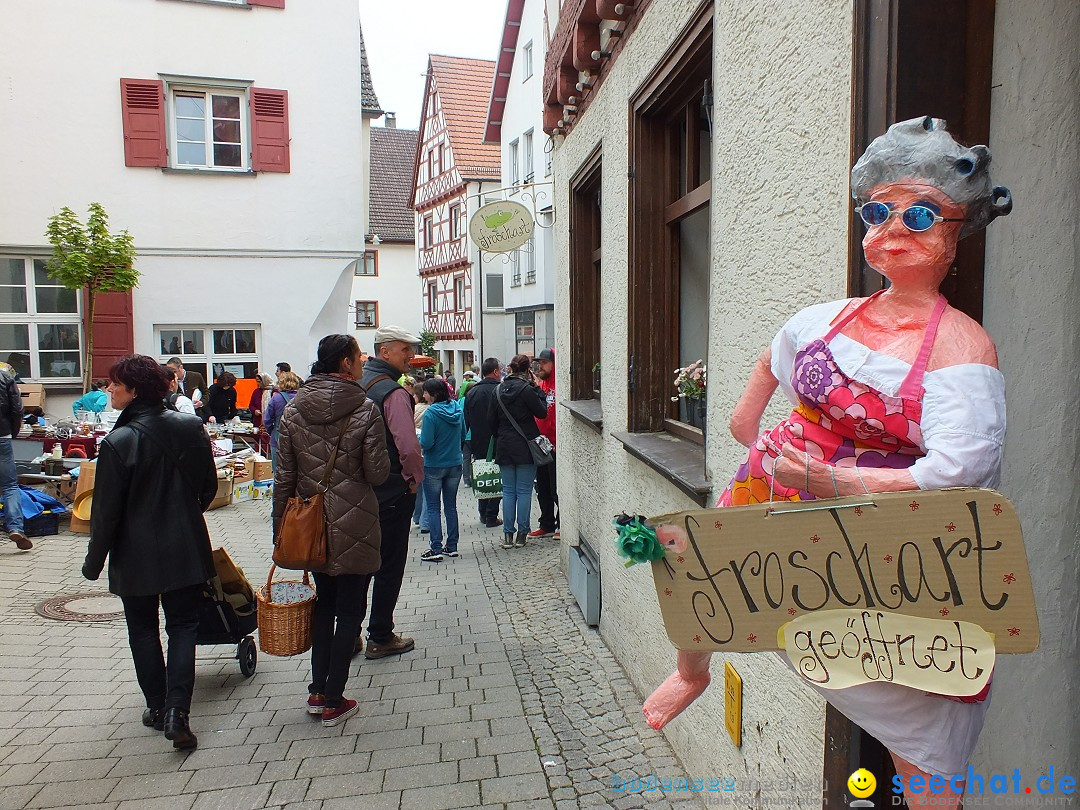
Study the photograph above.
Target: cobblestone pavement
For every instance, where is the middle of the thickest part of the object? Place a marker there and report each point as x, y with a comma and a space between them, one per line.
508, 701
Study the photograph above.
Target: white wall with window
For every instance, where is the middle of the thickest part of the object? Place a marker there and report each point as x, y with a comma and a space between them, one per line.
529, 279
218, 242
395, 286
41, 334
210, 350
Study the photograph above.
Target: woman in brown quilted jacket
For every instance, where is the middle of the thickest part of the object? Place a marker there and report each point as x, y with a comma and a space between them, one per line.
307, 433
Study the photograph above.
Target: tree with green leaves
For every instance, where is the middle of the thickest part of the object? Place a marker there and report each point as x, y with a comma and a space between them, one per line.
427, 343
89, 257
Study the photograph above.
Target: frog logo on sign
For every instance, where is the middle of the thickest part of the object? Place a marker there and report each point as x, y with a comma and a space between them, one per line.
500, 227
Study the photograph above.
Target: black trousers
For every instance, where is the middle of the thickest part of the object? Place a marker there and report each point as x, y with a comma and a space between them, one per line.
165, 686
547, 493
394, 520
334, 625
466, 462
489, 508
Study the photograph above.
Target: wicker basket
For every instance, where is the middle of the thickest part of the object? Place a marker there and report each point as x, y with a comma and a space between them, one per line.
285, 626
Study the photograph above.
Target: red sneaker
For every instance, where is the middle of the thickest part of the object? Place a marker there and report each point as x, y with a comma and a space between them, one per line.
316, 703
332, 717
540, 534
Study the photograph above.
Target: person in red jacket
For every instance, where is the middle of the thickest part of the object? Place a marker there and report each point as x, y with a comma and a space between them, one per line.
547, 492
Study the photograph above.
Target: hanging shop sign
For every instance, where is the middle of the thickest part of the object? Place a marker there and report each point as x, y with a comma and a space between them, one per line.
501, 227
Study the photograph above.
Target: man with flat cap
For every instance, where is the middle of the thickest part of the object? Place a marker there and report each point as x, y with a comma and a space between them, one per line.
394, 349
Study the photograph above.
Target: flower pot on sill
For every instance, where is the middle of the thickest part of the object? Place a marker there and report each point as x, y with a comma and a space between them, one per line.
695, 413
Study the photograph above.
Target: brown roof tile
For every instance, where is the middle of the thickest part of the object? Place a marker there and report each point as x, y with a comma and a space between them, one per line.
464, 88
393, 153
369, 102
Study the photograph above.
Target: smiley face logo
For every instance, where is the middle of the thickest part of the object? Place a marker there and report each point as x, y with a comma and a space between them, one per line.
861, 783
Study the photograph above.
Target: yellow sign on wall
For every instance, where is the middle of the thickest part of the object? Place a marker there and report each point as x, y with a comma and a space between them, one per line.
733, 704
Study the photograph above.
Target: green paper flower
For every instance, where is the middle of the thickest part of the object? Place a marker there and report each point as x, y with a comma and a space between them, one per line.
637, 541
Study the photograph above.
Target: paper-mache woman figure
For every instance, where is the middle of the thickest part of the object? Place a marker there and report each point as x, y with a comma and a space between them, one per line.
897, 391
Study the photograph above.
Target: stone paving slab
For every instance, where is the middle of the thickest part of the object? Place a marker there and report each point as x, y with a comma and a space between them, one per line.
482, 714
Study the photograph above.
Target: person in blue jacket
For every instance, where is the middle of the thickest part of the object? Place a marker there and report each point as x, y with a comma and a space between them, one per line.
441, 433
94, 400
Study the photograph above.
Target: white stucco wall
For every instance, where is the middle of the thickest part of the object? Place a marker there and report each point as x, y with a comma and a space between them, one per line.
1032, 310
396, 288
781, 129
268, 249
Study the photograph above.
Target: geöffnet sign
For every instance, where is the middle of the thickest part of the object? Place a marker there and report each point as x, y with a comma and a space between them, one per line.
500, 227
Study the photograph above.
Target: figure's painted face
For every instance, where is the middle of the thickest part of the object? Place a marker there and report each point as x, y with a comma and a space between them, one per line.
905, 256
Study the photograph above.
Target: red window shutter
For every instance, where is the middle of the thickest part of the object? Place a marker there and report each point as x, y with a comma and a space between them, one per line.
143, 104
114, 330
267, 3
269, 130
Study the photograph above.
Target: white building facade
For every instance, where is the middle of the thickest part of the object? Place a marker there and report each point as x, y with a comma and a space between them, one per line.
386, 287
203, 131
515, 122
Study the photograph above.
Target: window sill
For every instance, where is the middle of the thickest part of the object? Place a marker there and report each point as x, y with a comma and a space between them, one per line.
214, 172
680, 461
230, 3
589, 411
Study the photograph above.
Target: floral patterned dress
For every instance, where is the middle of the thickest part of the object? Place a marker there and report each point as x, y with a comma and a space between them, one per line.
857, 407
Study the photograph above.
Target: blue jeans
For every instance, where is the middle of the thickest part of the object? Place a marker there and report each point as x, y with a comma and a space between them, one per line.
442, 482
419, 515
517, 484
9, 482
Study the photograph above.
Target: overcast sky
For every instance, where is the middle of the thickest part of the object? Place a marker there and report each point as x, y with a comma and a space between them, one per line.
399, 36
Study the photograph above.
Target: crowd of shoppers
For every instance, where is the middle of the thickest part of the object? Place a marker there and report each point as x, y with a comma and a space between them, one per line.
399, 448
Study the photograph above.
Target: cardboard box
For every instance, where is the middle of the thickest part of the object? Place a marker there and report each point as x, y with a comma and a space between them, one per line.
262, 469
224, 494
264, 490
33, 395
252, 490
87, 471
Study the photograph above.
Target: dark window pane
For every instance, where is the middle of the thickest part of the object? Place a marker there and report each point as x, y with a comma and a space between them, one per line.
13, 336
227, 131
245, 341
226, 106
193, 342
41, 273
170, 342
226, 154
12, 299
223, 341
58, 336
199, 367
60, 364
12, 271
56, 299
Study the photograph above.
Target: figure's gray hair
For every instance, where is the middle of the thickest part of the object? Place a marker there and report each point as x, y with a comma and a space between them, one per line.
922, 149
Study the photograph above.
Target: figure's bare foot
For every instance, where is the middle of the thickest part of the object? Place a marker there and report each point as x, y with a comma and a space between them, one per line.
673, 696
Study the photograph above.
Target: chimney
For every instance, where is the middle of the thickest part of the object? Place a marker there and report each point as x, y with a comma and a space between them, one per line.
390, 121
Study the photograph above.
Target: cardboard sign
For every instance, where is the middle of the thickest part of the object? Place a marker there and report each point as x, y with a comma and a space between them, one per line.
731, 577
839, 648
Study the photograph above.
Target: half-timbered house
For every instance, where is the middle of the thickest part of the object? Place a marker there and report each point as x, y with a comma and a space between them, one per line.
461, 295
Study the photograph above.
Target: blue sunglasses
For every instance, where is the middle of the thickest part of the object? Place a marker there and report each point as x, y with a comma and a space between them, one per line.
917, 218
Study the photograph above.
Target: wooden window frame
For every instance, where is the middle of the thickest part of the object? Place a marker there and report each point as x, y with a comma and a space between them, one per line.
515, 168
459, 298
656, 206
32, 319
585, 276
433, 298
365, 305
455, 222
429, 230
186, 90
363, 264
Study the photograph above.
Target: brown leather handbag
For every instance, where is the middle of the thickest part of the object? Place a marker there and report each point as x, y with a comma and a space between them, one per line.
301, 540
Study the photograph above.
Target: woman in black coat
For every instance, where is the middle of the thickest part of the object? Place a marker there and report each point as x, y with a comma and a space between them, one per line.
155, 476
524, 403
220, 400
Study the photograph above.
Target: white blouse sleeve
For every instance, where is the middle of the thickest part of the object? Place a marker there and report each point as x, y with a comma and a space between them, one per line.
801, 328
963, 428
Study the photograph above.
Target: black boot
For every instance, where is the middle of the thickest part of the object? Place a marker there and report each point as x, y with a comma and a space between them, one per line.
177, 730
521, 539
154, 718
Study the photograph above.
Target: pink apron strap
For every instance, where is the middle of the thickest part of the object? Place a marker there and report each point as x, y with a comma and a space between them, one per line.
912, 387
848, 318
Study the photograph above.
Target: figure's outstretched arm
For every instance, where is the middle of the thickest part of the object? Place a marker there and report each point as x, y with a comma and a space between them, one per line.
746, 418
682, 688
796, 470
